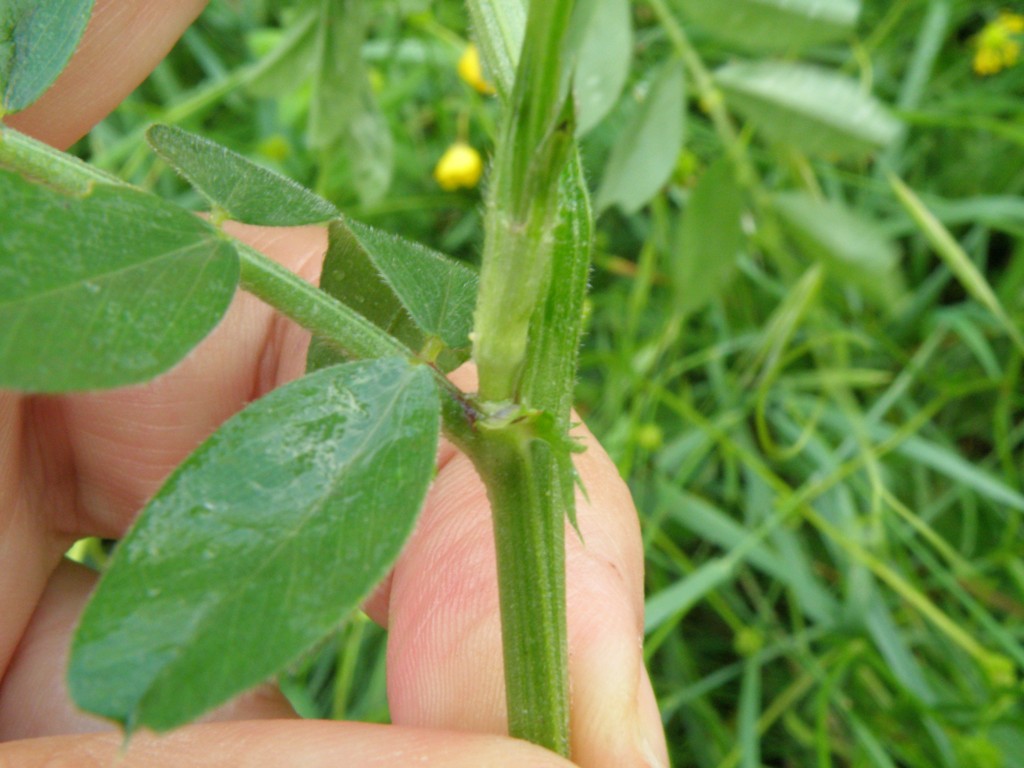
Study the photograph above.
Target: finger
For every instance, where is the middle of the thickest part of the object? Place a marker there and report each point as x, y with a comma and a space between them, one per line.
34, 699
444, 649
124, 41
270, 744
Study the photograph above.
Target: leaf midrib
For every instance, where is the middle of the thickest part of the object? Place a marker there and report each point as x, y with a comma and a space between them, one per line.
107, 276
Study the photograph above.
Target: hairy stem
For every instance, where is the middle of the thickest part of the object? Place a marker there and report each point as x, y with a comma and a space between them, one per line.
529, 534
534, 142
526, 331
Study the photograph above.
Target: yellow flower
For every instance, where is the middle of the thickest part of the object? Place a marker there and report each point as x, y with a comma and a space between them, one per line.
471, 72
460, 167
996, 43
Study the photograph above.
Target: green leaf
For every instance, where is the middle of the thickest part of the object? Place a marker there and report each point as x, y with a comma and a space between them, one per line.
259, 544
644, 156
246, 192
710, 239
549, 375
851, 247
678, 598
956, 259
814, 109
421, 297
344, 117
37, 38
775, 25
557, 325
714, 526
290, 62
602, 63
103, 290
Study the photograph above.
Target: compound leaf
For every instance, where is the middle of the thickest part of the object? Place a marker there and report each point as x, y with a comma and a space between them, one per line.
259, 544
102, 290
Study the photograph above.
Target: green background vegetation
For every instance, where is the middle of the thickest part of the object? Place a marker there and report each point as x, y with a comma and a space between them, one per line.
826, 459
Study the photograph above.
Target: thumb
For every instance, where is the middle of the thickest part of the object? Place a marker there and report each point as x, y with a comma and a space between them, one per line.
444, 655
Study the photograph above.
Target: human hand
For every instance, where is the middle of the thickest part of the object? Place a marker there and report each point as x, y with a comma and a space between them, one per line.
83, 465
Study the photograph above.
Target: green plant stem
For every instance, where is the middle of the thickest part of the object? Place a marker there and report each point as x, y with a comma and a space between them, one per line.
529, 534
312, 308
42, 163
536, 253
534, 142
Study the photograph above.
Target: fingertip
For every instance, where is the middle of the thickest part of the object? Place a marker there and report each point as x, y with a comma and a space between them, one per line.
124, 41
610, 709
653, 745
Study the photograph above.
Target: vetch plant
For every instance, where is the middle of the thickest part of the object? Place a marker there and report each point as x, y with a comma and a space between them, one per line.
804, 355
241, 535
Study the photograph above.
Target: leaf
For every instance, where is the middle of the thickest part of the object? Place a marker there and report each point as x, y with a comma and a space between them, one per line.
103, 290
851, 247
710, 239
246, 192
714, 526
644, 157
816, 110
37, 38
291, 60
344, 117
955, 258
421, 297
775, 25
602, 63
687, 592
549, 374
259, 544
557, 325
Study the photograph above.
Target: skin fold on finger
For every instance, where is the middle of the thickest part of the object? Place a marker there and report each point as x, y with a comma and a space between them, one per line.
34, 700
288, 744
124, 41
444, 651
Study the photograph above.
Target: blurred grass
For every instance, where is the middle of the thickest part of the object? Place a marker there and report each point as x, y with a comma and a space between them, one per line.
830, 491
